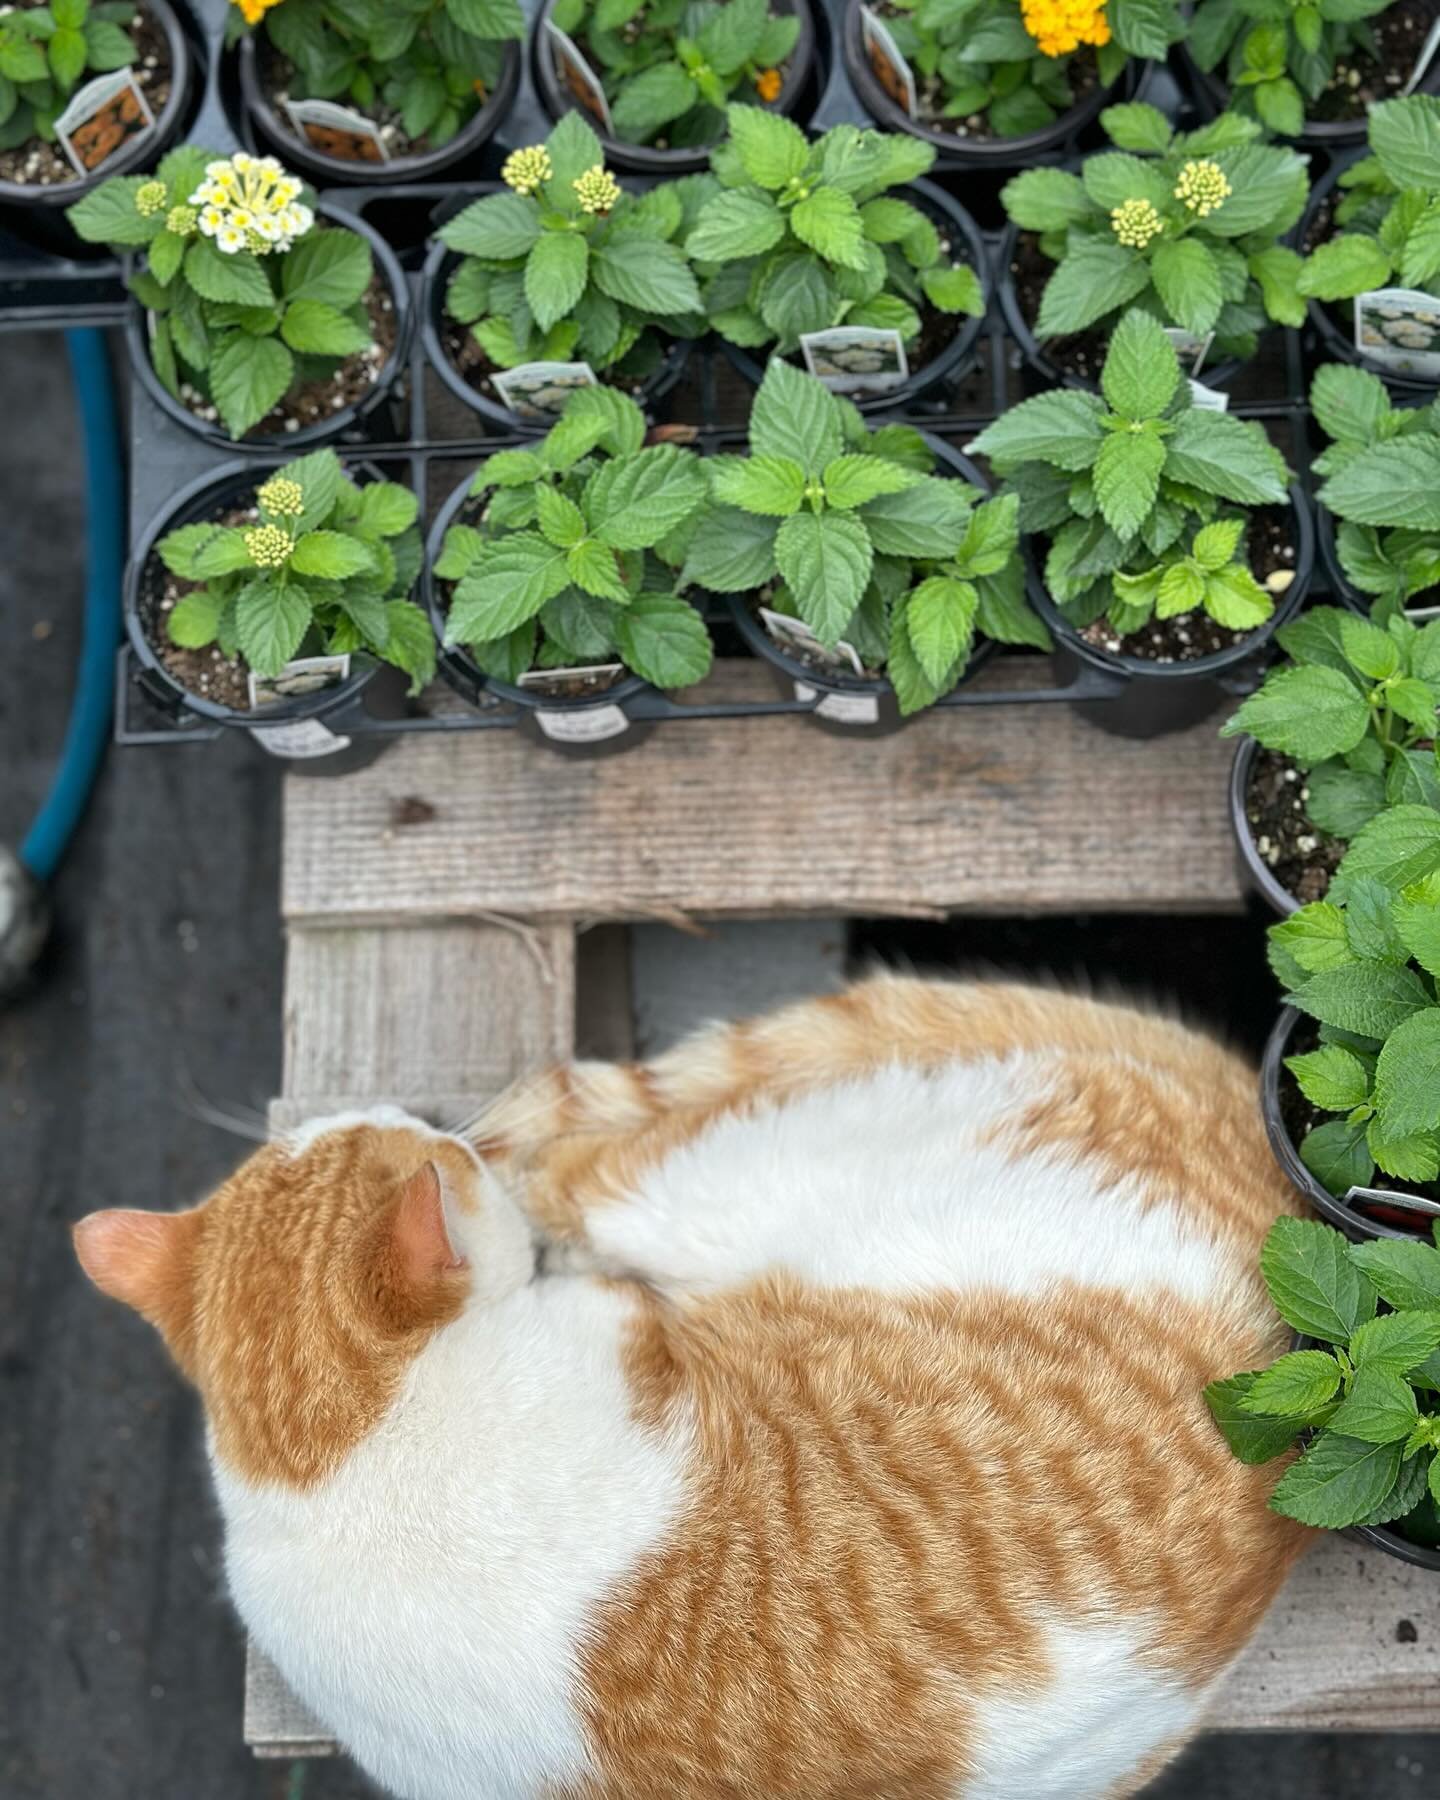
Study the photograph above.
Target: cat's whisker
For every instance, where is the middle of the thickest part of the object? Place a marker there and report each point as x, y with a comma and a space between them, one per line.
240, 1121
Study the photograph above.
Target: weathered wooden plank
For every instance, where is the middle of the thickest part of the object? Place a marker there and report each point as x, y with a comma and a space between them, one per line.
1010, 809
276, 1724
431, 1011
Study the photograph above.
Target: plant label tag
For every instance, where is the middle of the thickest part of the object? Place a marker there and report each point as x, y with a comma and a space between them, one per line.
795, 634
844, 709
305, 675
539, 390
1423, 60
1415, 1203
578, 724
595, 675
576, 76
887, 65
299, 739
103, 115
1399, 328
851, 357
337, 131
1208, 399
1190, 348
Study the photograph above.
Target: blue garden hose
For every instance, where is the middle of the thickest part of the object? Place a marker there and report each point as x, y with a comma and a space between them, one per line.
88, 731
24, 915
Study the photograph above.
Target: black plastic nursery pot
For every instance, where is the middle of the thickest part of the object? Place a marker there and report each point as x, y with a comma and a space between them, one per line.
1379, 1222
293, 729
955, 358
848, 705
558, 99
600, 724
348, 418
1255, 873
37, 213
414, 165
1037, 360
439, 266
1337, 343
987, 152
1164, 697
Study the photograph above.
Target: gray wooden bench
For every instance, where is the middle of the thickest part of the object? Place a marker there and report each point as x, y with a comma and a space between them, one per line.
432, 904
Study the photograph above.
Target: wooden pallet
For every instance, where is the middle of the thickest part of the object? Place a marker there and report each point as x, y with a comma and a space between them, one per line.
432, 903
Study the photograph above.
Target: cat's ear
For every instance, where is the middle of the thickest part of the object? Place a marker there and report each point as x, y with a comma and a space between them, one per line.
141, 1258
423, 1238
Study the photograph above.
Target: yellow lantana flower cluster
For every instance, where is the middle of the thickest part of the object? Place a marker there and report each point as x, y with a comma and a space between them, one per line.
597, 188
269, 546
526, 170
1202, 186
282, 496
1060, 26
252, 11
1135, 222
249, 203
150, 198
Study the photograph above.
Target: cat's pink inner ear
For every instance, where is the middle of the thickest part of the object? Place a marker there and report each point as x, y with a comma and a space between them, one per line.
130, 1255
421, 1239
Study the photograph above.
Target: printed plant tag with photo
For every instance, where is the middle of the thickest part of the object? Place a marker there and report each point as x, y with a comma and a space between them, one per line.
844, 709
305, 675
1189, 347
579, 724
1208, 399
539, 390
299, 739
887, 65
1399, 328
795, 634
576, 76
595, 675
337, 131
852, 358
102, 116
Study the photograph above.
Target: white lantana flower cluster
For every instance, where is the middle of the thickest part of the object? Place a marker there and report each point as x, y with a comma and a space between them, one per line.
249, 203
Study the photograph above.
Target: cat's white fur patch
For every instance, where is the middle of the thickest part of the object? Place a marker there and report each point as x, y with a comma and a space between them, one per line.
1102, 1713
430, 1600
885, 1182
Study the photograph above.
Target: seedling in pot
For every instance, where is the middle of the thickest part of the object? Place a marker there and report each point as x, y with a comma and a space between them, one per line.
1280, 59
420, 70
806, 236
1005, 68
849, 530
248, 297
1383, 483
1362, 964
45, 54
1186, 226
1363, 1401
1355, 708
567, 265
573, 558
323, 570
1131, 489
669, 68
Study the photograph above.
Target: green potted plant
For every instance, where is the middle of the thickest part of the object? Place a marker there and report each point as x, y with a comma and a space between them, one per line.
50, 53
251, 316
428, 84
666, 71
1002, 78
560, 266
859, 573
1168, 533
1333, 736
1360, 1393
266, 600
553, 576
1310, 72
1374, 238
1382, 483
1187, 226
806, 237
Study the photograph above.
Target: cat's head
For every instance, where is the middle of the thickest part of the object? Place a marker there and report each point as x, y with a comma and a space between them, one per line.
299, 1293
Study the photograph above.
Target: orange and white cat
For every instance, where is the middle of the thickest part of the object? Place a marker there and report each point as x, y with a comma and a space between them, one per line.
813, 1414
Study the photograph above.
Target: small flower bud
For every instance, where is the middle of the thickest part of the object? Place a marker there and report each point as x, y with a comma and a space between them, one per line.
150, 198
282, 496
1202, 186
597, 188
269, 546
525, 170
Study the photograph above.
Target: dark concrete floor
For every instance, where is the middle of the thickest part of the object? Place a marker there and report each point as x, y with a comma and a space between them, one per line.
120, 1667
